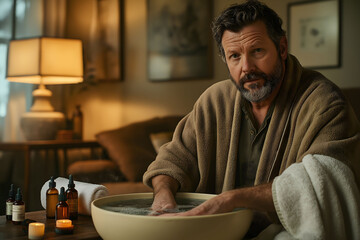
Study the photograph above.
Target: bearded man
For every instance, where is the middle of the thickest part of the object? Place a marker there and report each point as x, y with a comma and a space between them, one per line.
276, 138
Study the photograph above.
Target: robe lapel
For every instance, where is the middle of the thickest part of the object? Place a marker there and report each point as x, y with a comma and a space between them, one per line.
232, 159
276, 137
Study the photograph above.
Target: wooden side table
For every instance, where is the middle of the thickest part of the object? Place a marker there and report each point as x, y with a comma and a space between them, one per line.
55, 145
83, 228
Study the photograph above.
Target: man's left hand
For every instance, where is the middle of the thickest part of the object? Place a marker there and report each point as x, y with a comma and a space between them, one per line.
218, 204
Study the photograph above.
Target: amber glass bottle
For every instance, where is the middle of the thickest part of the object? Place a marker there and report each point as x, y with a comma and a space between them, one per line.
52, 196
62, 208
10, 202
18, 209
78, 123
72, 199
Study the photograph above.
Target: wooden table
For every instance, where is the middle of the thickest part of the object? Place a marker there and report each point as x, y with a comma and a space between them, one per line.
83, 228
55, 145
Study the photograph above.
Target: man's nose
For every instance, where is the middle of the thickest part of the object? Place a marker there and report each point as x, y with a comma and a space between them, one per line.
247, 64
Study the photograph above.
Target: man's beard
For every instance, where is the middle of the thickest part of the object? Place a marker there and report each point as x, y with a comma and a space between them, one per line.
258, 94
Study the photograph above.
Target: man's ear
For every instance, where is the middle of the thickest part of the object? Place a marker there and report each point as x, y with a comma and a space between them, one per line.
283, 48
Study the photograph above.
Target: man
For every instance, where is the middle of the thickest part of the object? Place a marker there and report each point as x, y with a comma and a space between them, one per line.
273, 136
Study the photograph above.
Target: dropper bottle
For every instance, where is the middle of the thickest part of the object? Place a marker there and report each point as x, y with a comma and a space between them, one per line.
72, 199
10, 202
62, 208
18, 209
52, 195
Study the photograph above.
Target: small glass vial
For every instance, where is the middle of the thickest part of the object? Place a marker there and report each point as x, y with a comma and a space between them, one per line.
18, 209
72, 199
62, 208
77, 123
9, 203
52, 196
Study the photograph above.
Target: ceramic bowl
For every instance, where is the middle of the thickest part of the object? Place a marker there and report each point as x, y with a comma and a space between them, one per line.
115, 225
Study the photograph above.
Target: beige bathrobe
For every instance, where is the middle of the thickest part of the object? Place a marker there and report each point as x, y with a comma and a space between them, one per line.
310, 116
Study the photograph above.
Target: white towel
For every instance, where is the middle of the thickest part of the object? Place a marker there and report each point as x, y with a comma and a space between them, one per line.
87, 192
317, 199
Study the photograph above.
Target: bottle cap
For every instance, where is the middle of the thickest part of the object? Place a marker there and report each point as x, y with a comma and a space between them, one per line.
71, 182
62, 195
18, 195
52, 183
11, 191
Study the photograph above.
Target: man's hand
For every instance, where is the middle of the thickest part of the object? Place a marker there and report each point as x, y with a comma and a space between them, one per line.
165, 188
257, 198
218, 204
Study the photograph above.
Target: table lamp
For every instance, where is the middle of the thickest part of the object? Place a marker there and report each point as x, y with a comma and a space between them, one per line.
44, 61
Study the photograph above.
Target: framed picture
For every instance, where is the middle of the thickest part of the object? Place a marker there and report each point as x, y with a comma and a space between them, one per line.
314, 33
179, 39
98, 24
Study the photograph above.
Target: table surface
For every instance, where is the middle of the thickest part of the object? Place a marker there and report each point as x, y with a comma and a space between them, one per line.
28, 146
83, 228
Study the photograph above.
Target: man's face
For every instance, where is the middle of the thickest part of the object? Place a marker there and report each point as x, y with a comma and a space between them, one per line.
255, 65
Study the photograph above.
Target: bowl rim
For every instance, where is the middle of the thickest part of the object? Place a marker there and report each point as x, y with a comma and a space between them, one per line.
94, 205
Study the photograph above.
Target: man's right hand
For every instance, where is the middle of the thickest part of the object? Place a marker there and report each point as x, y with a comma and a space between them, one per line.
165, 188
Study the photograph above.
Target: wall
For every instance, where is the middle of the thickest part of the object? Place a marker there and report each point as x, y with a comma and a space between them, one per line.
348, 74
110, 105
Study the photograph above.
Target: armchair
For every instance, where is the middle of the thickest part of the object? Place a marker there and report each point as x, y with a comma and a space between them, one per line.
129, 150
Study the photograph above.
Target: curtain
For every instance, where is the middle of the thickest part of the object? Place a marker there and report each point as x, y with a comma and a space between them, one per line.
23, 19
18, 103
6, 33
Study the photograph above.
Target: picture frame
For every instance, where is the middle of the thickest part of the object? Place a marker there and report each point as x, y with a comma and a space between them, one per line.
179, 39
314, 33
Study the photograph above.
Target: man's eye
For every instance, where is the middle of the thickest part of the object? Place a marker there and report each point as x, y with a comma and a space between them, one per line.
258, 52
234, 56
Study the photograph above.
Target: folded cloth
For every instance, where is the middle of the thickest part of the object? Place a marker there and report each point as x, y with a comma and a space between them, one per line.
317, 199
87, 192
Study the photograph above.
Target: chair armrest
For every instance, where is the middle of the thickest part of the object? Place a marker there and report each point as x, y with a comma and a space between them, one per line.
126, 187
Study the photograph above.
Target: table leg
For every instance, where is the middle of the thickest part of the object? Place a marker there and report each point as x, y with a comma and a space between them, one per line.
26, 175
66, 162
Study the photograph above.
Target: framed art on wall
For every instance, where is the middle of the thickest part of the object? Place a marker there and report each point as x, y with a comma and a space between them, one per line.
179, 39
314, 33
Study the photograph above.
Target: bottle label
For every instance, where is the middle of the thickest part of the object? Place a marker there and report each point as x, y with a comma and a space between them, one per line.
73, 205
18, 213
9, 206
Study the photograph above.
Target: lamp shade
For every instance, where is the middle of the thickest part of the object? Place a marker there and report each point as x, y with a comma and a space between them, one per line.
45, 61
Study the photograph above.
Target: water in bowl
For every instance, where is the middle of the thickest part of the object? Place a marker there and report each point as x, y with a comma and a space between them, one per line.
143, 206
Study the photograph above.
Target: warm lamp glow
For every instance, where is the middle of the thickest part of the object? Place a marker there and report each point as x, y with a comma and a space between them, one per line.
36, 79
44, 61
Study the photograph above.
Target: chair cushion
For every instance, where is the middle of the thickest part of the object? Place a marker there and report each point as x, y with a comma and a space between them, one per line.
130, 146
353, 96
95, 171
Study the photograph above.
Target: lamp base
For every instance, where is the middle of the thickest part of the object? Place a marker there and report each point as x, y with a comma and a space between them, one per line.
42, 125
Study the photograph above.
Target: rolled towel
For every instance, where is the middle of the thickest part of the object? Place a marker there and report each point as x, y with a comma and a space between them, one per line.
87, 192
